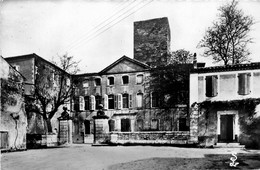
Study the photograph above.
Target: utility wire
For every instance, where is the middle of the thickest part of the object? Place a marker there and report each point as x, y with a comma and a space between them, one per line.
103, 21
94, 36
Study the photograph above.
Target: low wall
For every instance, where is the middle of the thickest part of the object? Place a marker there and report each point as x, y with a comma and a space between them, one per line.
158, 137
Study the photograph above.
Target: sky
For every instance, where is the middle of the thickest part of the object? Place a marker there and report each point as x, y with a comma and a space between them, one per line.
98, 32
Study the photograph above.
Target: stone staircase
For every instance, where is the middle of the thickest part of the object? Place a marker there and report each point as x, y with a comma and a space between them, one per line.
229, 145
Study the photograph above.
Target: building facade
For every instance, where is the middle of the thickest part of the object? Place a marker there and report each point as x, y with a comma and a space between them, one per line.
13, 116
228, 99
45, 75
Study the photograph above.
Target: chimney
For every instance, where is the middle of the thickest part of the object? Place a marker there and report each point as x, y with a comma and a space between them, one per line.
194, 60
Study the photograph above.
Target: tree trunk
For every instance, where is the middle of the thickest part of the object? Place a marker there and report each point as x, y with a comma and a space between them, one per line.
49, 127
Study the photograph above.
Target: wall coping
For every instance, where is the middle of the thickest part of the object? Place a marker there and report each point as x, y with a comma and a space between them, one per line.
150, 132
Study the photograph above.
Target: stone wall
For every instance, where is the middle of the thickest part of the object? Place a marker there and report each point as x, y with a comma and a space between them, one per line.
151, 40
158, 137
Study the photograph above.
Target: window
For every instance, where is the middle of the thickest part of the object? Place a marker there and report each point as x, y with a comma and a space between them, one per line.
125, 100
87, 103
76, 91
125, 125
76, 104
125, 79
111, 101
92, 102
139, 79
86, 84
81, 103
139, 100
111, 124
154, 124
155, 99
140, 124
211, 86
98, 81
183, 124
98, 101
244, 83
111, 81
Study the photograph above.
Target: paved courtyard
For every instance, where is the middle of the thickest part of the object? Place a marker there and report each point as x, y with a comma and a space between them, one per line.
127, 157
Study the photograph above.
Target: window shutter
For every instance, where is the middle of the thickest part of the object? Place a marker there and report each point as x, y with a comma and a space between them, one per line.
81, 103
119, 101
211, 86
116, 101
130, 100
214, 86
105, 101
92, 102
244, 83
111, 124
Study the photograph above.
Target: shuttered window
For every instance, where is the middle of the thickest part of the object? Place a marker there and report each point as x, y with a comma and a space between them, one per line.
81, 103
155, 99
125, 100
211, 86
111, 101
92, 102
244, 83
125, 125
130, 100
119, 101
98, 101
139, 100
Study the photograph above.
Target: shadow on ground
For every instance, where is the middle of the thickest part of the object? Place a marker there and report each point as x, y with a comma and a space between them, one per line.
210, 161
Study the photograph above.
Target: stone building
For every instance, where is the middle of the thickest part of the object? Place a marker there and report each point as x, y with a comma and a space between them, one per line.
13, 117
228, 101
41, 72
152, 40
122, 90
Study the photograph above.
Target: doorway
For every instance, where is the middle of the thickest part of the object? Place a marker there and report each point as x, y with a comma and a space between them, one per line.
226, 128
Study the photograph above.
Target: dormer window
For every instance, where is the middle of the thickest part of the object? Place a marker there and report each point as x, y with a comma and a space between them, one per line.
125, 79
111, 81
98, 81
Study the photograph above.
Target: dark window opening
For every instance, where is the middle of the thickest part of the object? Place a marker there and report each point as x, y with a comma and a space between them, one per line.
76, 104
98, 101
87, 103
98, 81
111, 81
183, 124
125, 79
155, 100
125, 100
87, 126
125, 125
111, 101
211, 86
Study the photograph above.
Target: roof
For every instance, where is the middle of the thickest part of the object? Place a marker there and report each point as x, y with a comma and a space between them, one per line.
145, 66
33, 55
14, 68
248, 66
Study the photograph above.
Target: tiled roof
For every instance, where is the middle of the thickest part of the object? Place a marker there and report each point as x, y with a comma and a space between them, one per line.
248, 66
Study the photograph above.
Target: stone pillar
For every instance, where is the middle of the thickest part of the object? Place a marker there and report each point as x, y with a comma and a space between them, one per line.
65, 134
194, 114
101, 129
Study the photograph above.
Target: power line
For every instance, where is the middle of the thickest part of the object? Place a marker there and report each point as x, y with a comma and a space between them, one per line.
104, 20
94, 36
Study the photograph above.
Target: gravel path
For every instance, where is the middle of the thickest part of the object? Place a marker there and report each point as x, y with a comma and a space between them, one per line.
98, 158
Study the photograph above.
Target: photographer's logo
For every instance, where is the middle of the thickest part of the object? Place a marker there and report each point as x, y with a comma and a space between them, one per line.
233, 159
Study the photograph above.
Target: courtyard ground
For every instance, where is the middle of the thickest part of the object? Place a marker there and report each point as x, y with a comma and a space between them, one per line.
88, 157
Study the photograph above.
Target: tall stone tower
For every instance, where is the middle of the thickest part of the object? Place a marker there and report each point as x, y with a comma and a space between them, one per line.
152, 40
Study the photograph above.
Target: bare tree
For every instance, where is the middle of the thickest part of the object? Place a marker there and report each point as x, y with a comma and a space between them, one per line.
227, 39
52, 88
